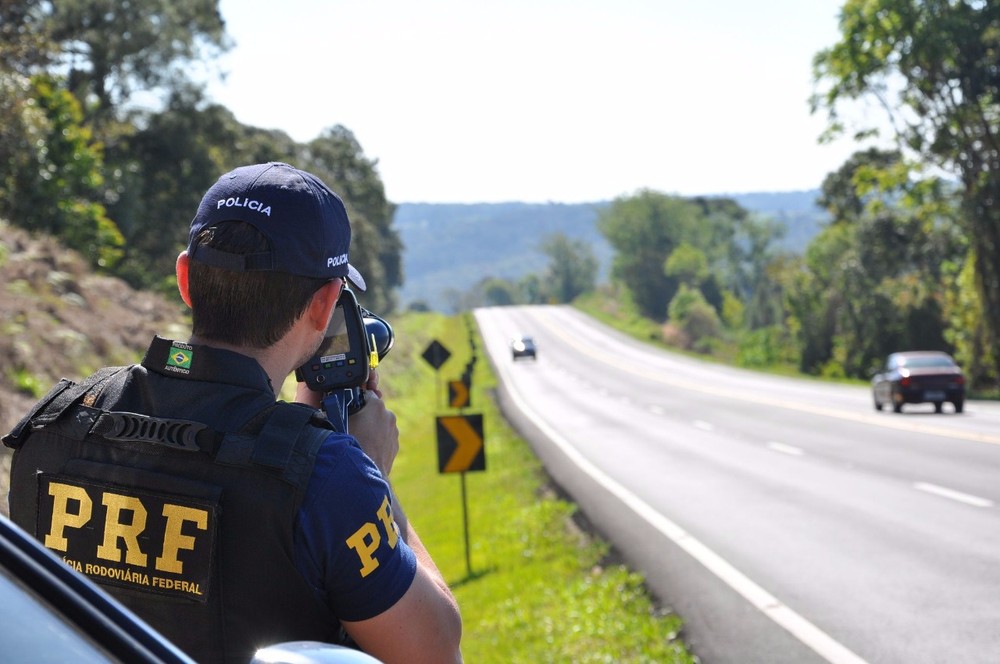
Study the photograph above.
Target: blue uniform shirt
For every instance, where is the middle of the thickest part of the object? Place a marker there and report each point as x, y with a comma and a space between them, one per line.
347, 545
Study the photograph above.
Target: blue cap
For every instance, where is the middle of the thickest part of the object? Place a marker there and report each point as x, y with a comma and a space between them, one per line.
304, 221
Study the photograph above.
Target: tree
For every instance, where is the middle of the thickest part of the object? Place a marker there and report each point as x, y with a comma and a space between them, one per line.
572, 268
874, 274
687, 264
24, 45
110, 48
760, 273
496, 292
52, 170
966, 332
77, 160
153, 205
532, 290
932, 65
695, 317
487, 292
644, 229
648, 229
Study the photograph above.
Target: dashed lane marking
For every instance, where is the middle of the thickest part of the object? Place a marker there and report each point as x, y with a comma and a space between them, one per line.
951, 494
785, 449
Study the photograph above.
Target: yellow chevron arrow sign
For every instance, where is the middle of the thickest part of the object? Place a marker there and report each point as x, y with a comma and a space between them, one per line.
458, 394
460, 443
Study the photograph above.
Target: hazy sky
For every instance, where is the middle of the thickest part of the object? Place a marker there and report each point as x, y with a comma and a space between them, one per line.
543, 100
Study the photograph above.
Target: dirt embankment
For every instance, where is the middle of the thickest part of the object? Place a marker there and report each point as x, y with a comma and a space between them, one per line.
58, 319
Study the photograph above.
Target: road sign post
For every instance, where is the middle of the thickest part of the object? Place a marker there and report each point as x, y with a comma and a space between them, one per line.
460, 449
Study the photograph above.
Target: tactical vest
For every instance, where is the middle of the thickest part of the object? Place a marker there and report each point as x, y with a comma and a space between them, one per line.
190, 527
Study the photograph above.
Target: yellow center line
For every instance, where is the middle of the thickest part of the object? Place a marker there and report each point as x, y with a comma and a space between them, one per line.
742, 395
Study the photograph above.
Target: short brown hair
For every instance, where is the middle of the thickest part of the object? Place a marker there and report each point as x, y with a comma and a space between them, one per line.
252, 309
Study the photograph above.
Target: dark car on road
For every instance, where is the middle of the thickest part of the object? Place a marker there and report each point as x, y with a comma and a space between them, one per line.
523, 347
919, 377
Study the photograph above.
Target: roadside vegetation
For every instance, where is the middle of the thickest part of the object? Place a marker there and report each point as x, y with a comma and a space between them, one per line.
538, 588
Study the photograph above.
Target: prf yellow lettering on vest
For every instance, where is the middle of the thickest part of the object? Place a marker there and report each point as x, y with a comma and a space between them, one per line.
115, 529
61, 518
173, 540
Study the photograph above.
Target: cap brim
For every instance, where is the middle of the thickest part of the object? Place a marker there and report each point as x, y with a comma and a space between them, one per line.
355, 278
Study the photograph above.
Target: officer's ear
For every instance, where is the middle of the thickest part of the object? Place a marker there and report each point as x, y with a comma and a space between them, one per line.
323, 301
183, 263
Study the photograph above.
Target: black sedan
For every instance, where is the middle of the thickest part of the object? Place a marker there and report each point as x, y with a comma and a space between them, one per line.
523, 347
919, 377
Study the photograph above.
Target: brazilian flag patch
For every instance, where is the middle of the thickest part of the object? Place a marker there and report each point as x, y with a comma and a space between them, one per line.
180, 357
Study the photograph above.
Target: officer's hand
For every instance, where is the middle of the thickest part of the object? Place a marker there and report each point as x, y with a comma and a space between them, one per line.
308, 397
372, 385
375, 428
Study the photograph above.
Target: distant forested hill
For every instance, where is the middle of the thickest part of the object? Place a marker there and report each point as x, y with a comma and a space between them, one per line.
453, 246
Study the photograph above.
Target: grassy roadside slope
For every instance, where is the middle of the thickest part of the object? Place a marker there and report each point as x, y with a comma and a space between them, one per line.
540, 590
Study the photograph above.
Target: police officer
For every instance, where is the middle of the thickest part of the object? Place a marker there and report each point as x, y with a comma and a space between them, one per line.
227, 519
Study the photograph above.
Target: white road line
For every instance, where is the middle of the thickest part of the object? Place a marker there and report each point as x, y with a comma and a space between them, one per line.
944, 492
703, 425
903, 424
785, 449
656, 410
819, 641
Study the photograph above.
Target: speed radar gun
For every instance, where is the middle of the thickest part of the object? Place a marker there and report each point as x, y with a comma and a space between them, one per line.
355, 341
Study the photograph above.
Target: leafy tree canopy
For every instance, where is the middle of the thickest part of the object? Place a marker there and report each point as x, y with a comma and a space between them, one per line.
52, 170
644, 230
572, 267
932, 65
113, 48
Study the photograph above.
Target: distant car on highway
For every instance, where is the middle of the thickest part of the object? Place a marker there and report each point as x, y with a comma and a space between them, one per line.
523, 347
919, 377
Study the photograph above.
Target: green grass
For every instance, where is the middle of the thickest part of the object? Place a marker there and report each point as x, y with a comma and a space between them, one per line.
535, 588
616, 311
28, 383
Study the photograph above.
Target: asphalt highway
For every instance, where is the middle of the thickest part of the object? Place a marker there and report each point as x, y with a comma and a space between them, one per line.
785, 520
